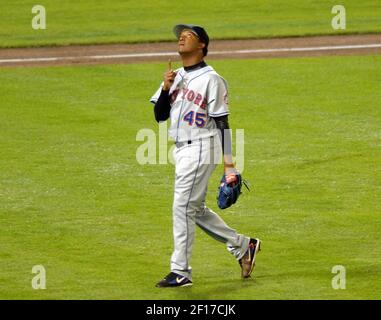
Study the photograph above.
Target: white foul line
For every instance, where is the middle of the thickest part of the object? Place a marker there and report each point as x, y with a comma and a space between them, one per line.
164, 54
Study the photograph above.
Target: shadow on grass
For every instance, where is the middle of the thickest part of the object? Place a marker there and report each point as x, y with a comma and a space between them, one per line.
217, 289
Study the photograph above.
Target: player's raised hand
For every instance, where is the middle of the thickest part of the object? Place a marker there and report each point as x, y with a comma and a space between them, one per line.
169, 76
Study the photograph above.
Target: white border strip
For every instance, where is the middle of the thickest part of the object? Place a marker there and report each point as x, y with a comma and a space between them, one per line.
165, 54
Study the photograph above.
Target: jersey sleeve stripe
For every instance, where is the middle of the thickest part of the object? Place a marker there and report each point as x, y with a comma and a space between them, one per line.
219, 114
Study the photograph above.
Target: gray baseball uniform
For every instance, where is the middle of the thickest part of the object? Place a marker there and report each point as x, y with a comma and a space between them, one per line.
196, 97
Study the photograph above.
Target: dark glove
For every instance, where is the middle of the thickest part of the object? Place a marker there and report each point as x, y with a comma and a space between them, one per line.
229, 190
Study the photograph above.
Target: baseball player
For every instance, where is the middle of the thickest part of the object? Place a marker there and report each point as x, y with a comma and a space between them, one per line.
195, 98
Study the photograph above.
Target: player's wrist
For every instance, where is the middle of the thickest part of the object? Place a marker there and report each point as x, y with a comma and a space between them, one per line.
228, 162
229, 168
229, 165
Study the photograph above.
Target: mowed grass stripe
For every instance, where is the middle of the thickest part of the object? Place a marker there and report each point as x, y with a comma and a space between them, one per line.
120, 21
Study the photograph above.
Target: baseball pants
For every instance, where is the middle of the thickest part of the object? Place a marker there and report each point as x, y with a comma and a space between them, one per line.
195, 164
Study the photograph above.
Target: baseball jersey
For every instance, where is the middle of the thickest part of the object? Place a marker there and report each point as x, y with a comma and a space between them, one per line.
196, 96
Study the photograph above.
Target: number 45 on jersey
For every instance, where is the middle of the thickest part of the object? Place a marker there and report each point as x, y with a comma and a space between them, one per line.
197, 118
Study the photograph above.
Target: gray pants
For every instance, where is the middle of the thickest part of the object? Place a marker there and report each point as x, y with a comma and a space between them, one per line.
194, 166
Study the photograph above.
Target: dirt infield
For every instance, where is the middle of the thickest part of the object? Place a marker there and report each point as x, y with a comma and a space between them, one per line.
219, 49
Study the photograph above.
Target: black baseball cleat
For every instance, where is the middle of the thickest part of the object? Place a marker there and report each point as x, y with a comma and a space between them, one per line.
174, 280
247, 262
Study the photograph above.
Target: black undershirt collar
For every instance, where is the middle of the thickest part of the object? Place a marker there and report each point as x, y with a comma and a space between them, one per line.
196, 66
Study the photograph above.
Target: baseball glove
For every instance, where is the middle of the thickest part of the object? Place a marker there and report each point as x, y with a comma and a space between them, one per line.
229, 190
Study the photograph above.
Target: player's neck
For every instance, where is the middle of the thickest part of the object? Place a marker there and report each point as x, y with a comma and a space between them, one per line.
191, 60
196, 66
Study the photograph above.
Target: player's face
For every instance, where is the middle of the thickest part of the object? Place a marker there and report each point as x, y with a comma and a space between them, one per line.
189, 42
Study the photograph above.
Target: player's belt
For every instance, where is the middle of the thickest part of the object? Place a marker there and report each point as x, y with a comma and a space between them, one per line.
184, 143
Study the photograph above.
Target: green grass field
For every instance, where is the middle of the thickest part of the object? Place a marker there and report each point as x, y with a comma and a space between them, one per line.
74, 199
85, 21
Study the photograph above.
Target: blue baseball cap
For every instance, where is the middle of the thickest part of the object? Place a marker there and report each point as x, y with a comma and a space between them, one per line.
197, 30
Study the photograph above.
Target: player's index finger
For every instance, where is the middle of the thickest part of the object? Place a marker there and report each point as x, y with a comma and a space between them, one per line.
169, 64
